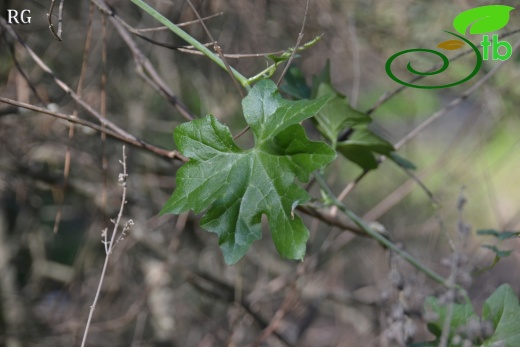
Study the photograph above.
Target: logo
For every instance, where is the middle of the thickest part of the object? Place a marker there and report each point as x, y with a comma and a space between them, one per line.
477, 21
15, 17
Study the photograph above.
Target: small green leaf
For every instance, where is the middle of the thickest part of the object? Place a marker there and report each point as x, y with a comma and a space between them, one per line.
238, 186
503, 310
278, 58
504, 235
498, 252
402, 162
490, 232
295, 84
483, 19
362, 145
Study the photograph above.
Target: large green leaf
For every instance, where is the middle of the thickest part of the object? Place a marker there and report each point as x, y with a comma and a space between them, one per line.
238, 186
502, 309
483, 19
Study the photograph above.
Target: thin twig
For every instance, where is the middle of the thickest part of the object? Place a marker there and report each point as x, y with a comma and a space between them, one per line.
79, 91
120, 135
298, 41
122, 180
180, 25
57, 35
293, 53
59, 82
217, 49
143, 65
242, 132
103, 112
441, 162
10, 46
356, 69
60, 18
185, 36
289, 301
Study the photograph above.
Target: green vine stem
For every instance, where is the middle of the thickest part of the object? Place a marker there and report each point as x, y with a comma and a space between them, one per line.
383, 240
192, 41
270, 70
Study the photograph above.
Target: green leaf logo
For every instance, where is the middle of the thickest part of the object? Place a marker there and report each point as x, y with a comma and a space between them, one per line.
483, 19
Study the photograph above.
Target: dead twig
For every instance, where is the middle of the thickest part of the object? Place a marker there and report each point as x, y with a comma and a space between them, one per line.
298, 41
57, 35
144, 67
217, 49
109, 245
120, 135
79, 91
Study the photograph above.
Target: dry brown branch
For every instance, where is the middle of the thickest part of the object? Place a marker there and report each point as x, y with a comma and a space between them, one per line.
120, 135
143, 65
218, 49
79, 91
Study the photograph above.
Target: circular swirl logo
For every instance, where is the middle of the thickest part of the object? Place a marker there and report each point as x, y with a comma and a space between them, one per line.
479, 20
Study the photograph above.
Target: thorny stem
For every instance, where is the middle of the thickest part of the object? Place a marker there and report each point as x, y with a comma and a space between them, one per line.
110, 248
379, 237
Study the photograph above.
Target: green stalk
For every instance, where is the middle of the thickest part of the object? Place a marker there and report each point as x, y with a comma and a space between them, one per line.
192, 41
380, 238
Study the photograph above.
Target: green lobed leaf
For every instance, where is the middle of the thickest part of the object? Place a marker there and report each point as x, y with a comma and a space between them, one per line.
238, 186
362, 145
483, 19
503, 310
499, 253
338, 115
503, 235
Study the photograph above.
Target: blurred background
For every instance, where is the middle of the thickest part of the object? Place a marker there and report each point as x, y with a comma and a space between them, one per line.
167, 283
